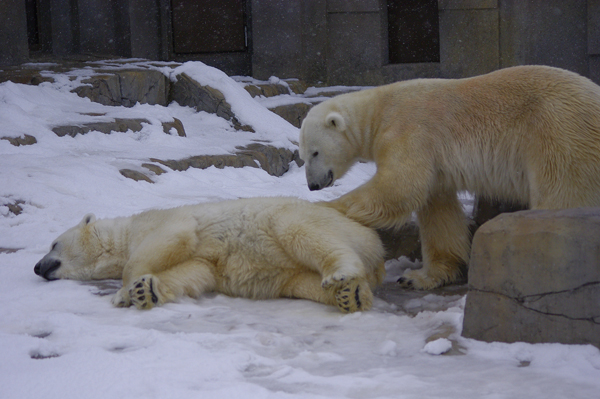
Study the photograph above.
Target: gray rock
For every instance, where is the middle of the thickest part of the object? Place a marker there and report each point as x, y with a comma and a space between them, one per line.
121, 125
266, 90
135, 175
117, 125
19, 141
206, 161
293, 113
187, 92
103, 89
144, 86
177, 124
126, 88
534, 276
157, 170
275, 161
15, 207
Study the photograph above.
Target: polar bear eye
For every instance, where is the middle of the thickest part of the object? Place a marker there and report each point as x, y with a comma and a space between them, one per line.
315, 154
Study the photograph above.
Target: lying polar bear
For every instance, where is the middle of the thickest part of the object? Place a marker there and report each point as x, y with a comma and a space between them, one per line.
256, 248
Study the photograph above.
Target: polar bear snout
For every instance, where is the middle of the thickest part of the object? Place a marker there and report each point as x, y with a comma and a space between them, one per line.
46, 267
324, 181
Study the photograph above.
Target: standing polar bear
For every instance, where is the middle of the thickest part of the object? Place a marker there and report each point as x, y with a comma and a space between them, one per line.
257, 248
528, 135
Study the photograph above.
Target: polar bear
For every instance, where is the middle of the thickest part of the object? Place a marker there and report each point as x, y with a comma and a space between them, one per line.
256, 248
527, 135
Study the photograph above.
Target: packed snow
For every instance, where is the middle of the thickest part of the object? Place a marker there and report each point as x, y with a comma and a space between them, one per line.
64, 339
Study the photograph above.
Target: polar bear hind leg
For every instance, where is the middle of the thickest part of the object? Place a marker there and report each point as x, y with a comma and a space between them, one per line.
349, 295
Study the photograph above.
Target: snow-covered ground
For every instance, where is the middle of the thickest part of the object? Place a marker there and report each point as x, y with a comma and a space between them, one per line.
63, 339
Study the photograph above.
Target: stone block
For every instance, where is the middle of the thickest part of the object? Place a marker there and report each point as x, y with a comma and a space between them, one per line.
547, 32
355, 50
469, 43
534, 276
357, 6
13, 33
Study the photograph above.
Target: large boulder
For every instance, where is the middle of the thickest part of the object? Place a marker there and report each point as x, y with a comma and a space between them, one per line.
126, 88
188, 92
534, 276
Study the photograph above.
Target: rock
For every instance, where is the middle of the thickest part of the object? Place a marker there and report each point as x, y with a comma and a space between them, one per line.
135, 175
297, 86
15, 207
206, 161
534, 276
103, 89
293, 113
275, 161
402, 242
18, 141
9, 250
126, 88
177, 125
121, 125
267, 90
144, 86
117, 125
157, 170
187, 92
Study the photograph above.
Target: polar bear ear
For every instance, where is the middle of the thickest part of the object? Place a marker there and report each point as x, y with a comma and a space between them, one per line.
87, 219
336, 121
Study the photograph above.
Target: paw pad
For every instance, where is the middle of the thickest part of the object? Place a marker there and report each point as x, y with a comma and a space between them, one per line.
353, 296
143, 293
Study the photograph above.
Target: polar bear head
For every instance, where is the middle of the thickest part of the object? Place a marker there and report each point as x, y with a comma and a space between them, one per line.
78, 254
325, 146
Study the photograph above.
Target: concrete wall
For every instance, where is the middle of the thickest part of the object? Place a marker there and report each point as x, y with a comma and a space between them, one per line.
550, 32
13, 32
333, 41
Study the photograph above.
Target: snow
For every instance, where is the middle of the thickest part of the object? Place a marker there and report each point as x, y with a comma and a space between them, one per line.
63, 339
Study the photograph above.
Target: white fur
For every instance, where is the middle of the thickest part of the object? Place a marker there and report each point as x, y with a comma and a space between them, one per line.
529, 135
256, 248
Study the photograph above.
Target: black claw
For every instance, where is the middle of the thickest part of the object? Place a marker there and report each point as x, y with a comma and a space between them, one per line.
154, 297
139, 285
142, 298
404, 280
357, 297
347, 309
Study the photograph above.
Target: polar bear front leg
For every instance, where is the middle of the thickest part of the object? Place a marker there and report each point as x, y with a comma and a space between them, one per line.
445, 244
142, 292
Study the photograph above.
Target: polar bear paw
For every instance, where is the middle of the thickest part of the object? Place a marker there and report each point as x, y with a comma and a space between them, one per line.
420, 280
143, 292
354, 295
121, 298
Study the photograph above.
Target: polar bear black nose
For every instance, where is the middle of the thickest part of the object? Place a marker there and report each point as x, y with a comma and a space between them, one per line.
314, 186
44, 268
